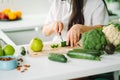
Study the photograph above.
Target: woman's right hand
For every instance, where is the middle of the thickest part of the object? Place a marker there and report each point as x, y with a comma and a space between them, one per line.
54, 27
58, 27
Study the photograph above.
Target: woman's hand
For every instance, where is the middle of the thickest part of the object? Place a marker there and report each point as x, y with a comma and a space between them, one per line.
49, 29
58, 27
73, 35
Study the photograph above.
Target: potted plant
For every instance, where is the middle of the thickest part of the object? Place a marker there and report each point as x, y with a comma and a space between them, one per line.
114, 6
112, 0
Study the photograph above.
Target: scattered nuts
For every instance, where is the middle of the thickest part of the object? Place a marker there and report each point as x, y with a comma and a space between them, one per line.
6, 59
22, 67
27, 66
20, 59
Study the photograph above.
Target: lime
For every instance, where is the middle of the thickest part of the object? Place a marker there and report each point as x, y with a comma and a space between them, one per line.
8, 49
1, 52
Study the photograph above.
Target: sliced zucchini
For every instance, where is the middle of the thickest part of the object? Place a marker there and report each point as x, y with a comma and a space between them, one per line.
54, 45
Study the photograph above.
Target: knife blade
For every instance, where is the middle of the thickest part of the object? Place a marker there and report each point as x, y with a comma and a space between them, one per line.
60, 36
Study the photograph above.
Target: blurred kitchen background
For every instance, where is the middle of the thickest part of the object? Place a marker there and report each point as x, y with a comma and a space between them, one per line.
34, 13
33, 16
41, 7
114, 6
28, 7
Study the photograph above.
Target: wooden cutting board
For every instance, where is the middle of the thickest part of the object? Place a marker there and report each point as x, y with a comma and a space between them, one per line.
47, 49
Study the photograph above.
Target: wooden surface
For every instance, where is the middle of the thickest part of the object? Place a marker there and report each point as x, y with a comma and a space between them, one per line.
47, 49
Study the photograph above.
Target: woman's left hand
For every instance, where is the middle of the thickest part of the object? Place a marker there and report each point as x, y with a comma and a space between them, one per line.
73, 35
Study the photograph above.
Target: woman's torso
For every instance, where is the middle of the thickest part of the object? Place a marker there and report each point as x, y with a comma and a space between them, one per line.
94, 13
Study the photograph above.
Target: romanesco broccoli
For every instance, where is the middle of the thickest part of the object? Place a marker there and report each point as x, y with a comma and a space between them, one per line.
94, 39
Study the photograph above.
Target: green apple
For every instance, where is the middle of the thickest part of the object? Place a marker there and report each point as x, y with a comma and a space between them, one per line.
8, 49
1, 52
36, 44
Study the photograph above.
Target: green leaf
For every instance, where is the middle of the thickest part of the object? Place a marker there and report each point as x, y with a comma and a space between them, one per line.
117, 48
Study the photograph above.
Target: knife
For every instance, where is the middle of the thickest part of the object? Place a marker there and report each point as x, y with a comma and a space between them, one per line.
60, 36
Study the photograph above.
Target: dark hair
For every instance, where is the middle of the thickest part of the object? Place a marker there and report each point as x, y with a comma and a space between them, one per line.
77, 13
77, 16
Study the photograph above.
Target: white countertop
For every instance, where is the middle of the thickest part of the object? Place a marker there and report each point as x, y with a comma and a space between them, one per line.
44, 69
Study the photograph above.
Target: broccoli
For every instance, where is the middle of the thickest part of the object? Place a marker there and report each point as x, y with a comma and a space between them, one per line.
94, 39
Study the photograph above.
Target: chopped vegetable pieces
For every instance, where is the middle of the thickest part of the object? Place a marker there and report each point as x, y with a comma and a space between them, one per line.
54, 45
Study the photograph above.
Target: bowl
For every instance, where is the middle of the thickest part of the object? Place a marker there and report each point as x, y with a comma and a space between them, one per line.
8, 62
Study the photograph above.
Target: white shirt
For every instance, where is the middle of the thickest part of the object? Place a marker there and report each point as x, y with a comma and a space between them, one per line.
94, 12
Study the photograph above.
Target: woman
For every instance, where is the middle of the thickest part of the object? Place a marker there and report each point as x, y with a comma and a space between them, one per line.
74, 17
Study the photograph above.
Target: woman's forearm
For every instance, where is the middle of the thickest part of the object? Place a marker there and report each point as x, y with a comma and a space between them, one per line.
84, 28
48, 29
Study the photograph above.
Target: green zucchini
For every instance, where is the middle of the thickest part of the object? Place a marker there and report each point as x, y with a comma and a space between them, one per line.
57, 57
79, 55
88, 51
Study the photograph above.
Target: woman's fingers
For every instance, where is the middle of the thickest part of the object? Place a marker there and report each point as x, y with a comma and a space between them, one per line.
72, 38
58, 27
68, 39
75, 39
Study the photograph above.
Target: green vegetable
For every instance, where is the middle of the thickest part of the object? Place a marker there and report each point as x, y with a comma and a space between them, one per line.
89, 51
54, 45
79, 55
117, 48
57, 57
94, 39
23, 51
63, 43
